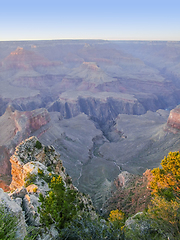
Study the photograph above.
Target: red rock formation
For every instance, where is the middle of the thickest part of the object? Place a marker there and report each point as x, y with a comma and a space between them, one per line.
38, 118
4, 182
131, 196
24, 59
174, 118
4, 186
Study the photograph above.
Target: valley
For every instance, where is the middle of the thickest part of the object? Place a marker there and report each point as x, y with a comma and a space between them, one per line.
103, 105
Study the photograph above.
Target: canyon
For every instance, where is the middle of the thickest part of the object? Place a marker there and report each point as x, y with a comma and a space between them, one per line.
106, 106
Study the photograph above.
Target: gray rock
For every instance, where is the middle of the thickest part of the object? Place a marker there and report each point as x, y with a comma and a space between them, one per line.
13, 207
19, 193
19, 201
30, 205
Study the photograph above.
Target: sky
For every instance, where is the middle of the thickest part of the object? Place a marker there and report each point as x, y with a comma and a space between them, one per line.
90, 19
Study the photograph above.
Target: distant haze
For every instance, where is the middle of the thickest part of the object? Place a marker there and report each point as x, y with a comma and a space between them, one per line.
90, 19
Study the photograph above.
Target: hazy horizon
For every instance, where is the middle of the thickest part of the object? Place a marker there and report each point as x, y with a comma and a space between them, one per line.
103, 20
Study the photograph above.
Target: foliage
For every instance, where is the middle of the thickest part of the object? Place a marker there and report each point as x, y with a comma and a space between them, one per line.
30, 179
40, 172
165, 185
84, 227
38, 145
35, 189
166, 181
117, 217
161, 221
143, 227
167, 214
8, 224
49, 169
59, 206
32, 233
46, 178
68, 181
45, 149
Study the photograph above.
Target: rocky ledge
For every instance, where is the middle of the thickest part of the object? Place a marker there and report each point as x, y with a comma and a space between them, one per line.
32, 164
30, 155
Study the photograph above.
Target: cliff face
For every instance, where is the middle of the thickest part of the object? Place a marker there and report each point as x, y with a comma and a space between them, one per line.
17, 125
37, 119
101, 106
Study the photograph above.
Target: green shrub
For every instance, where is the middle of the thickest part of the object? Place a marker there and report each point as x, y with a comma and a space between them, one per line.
35, 189
32, 233
49, 169
69, 181
38, 145
59, 206
30, 179
8, 224
83, 227
45, 149
40, 172
144, 227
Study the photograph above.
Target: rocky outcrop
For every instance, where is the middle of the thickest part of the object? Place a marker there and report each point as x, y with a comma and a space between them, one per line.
91, 73
123, 179
31, 155
23, 205
174, 118
33, 165
16, 126
131, 195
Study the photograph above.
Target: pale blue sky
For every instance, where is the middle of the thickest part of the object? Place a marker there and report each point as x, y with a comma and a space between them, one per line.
85, 19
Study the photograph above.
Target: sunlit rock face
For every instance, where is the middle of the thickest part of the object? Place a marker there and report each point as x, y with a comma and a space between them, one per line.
174, 118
